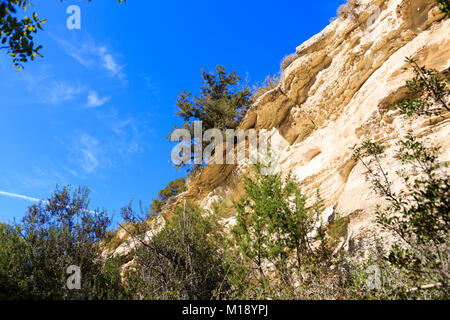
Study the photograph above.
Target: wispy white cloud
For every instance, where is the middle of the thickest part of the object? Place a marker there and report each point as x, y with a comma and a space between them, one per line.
109, 62
120, 140
95, 101
127, 139
19, 196
88, 154
60, 91
89, 54
88, 150
51, 90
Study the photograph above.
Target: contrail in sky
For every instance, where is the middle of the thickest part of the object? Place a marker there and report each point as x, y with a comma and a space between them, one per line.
19, 196
31, 199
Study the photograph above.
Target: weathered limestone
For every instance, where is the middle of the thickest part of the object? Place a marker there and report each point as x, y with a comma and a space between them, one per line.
337, 94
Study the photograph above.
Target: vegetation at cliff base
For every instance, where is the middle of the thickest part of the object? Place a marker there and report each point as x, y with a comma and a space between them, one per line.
54, 235
417, 215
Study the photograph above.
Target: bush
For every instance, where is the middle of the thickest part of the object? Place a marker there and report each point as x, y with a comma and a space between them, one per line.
418, 215
348, 10
284, 250
52, 236
172, 189
112, 240
11, 262
185, 260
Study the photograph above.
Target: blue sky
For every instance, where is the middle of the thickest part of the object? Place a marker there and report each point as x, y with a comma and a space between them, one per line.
96, 110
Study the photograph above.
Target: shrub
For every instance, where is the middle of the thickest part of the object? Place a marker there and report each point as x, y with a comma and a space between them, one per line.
338, 229
185, 260
172, 189
11, 263
112, 240
52, 236
281, 243
348, 10
418, 215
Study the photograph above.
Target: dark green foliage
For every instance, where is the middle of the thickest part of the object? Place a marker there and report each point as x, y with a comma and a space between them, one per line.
11, 258
52, 236
17, 33
338, 229
184, 260
445, 6
276, 227
172, 189
108, 283
222, 102
425, 89
418, 215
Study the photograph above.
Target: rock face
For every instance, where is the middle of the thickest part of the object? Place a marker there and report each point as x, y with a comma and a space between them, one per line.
336, 94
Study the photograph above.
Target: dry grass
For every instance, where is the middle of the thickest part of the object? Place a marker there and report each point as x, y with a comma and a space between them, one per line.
112, 241
287, 61
271, 82
348, 10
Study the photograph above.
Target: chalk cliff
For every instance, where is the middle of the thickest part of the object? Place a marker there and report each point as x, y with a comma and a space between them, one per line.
338, 93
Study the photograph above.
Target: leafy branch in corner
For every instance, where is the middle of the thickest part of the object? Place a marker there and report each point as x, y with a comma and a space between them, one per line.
445, 6
17, 34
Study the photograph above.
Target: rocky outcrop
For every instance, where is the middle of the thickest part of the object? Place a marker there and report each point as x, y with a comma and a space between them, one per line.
336, 94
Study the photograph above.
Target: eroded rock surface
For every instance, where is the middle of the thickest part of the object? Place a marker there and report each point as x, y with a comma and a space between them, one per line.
336, 94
